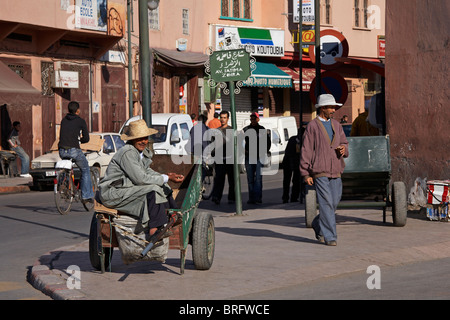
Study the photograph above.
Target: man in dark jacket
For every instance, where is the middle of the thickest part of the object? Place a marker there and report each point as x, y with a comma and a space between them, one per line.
69, 147
254, 156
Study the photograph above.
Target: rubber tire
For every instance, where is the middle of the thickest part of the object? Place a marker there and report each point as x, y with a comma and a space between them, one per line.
203, 241
66, 209
310, 206
94, 255
399, 204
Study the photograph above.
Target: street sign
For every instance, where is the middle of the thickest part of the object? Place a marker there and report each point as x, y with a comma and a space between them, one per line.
230, 65
333, 44
332, 83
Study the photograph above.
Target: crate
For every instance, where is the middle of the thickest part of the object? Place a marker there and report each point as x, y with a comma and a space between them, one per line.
438, 192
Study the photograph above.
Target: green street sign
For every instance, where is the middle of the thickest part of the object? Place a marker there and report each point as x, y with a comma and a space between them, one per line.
230, 65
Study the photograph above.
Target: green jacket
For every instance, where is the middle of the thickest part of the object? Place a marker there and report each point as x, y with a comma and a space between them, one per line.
127, 181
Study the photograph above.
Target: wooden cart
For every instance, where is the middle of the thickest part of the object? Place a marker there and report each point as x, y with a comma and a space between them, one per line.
195, 228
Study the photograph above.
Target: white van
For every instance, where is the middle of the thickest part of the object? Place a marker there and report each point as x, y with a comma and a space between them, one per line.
281, 129
173, 132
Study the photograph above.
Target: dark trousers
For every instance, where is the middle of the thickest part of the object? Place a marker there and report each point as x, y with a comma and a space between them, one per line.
291, 171
223, 170
157, 212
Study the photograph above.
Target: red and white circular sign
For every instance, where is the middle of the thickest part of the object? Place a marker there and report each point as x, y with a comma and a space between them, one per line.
333, 44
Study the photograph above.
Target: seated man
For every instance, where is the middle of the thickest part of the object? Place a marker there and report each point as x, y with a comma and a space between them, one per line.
132, 187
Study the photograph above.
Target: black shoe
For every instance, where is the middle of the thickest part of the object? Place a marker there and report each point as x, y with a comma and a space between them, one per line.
251, 202
215, 200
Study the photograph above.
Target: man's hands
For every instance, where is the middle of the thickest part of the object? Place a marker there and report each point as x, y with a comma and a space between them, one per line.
309, 181
174, 177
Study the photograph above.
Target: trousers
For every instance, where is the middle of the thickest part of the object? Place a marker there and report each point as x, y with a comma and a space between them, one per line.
329, 193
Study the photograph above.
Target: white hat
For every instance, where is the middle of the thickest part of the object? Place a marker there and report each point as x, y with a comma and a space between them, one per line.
327, 100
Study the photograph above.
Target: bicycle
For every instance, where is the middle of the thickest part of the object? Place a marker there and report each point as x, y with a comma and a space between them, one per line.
65, 189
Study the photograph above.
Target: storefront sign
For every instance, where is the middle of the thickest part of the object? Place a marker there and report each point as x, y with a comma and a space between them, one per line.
381, 47
91, 14
259, 42
65, 79
307, 11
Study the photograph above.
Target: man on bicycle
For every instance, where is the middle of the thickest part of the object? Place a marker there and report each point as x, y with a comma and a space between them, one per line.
69, 147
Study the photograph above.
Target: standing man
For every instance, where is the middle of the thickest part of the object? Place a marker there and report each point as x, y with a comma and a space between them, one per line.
14, 142
322, 163
226, 167
291, 168
253, 157
69, 147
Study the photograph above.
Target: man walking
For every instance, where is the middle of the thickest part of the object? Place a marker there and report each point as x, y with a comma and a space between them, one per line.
69, 147
322, 163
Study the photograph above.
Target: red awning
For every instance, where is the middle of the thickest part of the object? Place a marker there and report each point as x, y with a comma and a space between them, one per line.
308, 76
371, 64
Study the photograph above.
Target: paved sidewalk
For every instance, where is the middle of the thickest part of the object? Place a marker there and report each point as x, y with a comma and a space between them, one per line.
15, 185
265, 249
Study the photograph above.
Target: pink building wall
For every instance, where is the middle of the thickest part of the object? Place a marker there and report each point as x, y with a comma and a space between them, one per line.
417, 94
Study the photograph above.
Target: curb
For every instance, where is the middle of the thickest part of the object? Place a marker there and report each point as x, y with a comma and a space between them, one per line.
14, 189
53, 282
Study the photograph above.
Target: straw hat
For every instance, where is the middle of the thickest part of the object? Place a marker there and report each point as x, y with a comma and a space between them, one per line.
327, 100
137, 129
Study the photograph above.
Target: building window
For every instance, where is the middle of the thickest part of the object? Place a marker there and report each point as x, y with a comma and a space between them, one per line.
361, 14
185, 16
153, 19
356, 13
325, 12
236, 9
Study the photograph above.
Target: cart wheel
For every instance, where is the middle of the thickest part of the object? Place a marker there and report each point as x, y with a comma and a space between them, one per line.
310, 206
100, 257
203, 241
399, 208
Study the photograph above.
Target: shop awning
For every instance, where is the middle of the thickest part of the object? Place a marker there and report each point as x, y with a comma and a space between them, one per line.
180, 59
371, 64
16, 91
268, 75
308, 75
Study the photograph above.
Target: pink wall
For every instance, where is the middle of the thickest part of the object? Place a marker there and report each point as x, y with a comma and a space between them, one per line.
417, 94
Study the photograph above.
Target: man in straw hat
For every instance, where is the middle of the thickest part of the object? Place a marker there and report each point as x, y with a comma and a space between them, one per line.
132, 187
322, 163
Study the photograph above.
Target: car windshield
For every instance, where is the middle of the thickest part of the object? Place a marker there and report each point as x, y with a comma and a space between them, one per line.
162, 133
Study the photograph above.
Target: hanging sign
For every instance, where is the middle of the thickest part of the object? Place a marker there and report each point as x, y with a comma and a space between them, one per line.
230, 65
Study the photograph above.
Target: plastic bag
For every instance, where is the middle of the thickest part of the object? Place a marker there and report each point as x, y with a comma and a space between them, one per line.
417, 195
131, 247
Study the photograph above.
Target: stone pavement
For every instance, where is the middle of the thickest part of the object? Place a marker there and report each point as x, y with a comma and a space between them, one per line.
264, 249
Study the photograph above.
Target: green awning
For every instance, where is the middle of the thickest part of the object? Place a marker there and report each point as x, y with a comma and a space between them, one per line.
268, 75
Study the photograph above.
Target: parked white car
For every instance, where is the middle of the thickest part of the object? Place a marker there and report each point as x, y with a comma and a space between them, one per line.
43, 167
173, 132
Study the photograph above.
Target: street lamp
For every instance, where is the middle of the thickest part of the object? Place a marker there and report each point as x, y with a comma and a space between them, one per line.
144, 55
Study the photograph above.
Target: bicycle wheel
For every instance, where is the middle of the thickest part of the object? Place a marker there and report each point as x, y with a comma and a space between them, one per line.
63, 192
95, 177
208, 181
